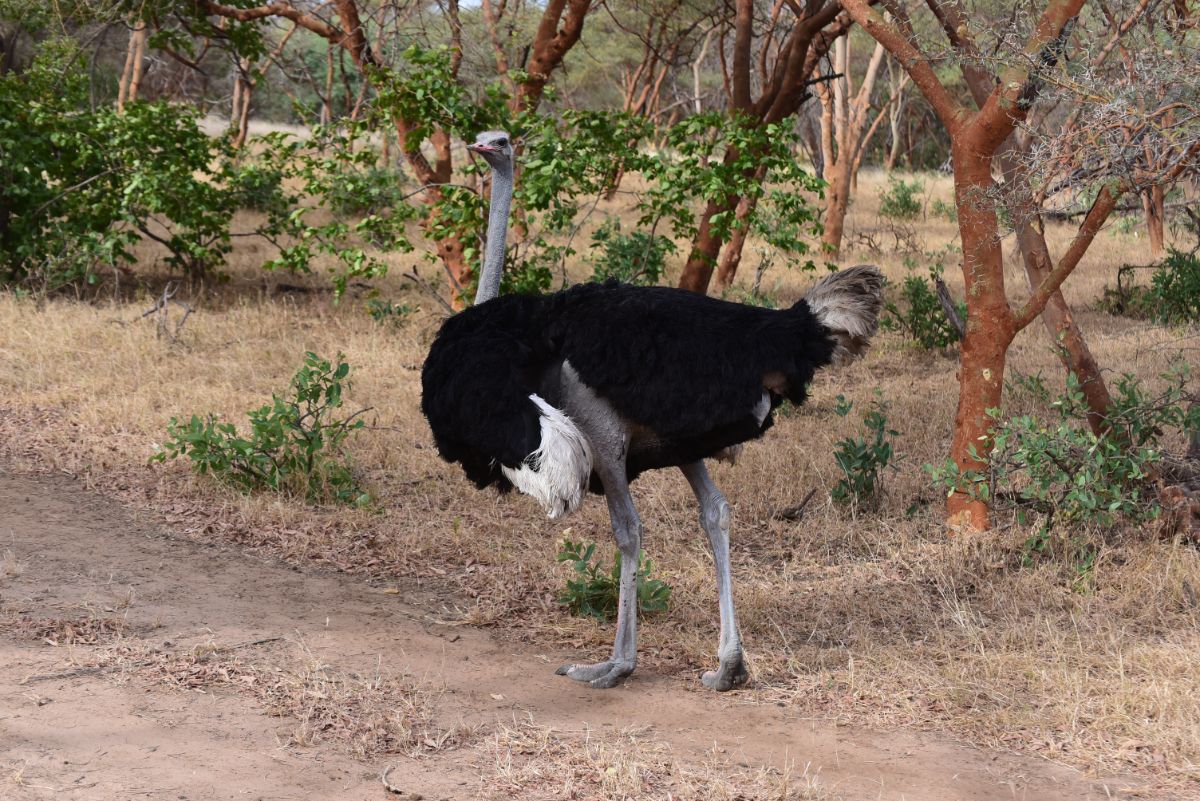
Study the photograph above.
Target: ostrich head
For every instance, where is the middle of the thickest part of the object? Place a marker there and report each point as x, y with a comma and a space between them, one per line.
495, 147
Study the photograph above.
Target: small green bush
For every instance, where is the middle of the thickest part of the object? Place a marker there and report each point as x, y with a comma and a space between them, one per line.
383, 311
366, 191
901, 200
638, 257
258, 187
944, 211
594, 592
295, 444
1172, 297
921, 317
1175, 288
862, 461
1059, 467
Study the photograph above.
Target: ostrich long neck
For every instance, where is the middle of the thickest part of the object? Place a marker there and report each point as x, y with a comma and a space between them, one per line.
497, 233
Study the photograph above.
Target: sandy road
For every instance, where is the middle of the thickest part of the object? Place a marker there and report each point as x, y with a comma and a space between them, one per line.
66, 734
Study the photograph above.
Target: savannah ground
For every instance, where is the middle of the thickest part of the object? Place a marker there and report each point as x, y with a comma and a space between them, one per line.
202, 644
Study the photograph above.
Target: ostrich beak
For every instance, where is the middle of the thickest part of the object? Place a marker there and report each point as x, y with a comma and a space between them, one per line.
481, 148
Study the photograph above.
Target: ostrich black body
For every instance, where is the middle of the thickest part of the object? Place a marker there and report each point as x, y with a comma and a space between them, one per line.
686, 371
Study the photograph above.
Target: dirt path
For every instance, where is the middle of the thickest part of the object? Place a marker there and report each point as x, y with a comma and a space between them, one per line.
97, 736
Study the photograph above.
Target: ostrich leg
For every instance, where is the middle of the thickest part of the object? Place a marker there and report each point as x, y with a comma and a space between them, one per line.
609, 438
628, 530
714, 518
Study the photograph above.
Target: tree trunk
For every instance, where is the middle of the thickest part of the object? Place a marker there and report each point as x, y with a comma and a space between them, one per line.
828, 157
897, 79
1154, 205
837, 197
732, 256
989, 327
698, 269
131, 75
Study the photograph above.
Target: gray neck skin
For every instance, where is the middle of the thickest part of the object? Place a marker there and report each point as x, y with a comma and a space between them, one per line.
497, 233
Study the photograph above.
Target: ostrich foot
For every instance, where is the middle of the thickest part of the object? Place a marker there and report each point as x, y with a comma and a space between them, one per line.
601, 675
731, 674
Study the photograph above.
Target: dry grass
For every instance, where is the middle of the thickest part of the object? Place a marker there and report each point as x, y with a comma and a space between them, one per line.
379, 713
876, 618
528, 761
88, 630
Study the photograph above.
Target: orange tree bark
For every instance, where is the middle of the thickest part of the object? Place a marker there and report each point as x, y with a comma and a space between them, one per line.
849, 134
976, 137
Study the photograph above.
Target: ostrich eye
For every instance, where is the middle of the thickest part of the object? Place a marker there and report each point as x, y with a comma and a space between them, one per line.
502, 142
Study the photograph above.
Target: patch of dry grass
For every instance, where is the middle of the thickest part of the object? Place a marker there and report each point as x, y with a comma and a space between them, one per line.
529, 761
379, 713
87, 630
876, 618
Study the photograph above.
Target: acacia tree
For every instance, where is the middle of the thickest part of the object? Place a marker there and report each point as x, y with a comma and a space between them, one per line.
846, 128
353, 26
1059, 49
789, 43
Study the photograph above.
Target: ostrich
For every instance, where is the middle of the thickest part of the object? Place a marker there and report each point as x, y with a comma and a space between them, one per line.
588, 387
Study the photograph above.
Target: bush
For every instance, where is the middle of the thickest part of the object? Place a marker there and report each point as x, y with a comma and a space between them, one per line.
1175, 288
862, 461
639, 257
258, 187
595, 592
1172, 297
80, 184
901, 200
944, 211
922, 318
371, 190
1060, 468
295, 444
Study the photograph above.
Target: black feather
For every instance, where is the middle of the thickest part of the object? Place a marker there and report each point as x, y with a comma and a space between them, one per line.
684, 369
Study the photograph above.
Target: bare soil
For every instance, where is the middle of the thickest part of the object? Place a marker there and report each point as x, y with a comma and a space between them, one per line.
77, 722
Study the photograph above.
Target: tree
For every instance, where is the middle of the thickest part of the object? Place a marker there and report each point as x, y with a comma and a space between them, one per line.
348, 29
789, 47
1006, 86
844, 134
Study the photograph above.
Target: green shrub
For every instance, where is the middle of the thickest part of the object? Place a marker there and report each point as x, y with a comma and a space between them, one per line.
639, 257
862, 461
366, 191
944, 211
594, 592
901, 200
1175, 288
921, 318
1059, 467
384, 310
295, 444
80, 184
258, 187
1172, 297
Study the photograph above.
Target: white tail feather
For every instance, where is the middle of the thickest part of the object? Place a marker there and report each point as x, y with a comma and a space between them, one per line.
556, 474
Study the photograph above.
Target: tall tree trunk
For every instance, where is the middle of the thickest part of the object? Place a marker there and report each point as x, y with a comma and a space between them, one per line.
732, 255
131, 75
1154, 205
702, 259
989, 326
849, 123
837, 197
